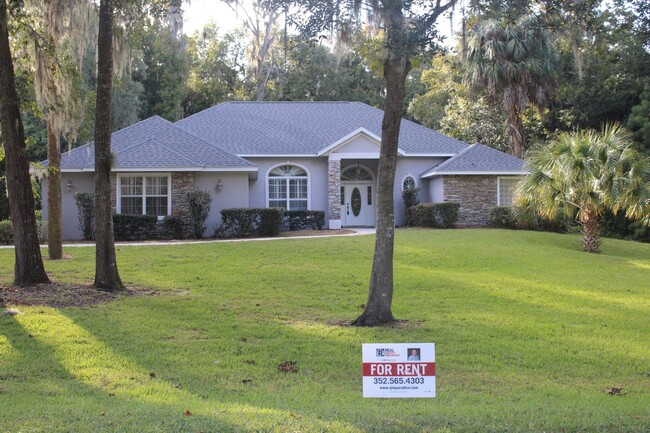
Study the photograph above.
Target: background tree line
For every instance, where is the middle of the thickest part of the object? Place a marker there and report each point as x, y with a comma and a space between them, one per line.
602, 73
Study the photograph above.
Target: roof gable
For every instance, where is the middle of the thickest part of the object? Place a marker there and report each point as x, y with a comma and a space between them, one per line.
358, 141
155, 143
478, 159
305, 128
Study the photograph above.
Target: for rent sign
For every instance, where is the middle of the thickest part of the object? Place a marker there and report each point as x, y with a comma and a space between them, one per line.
398, 370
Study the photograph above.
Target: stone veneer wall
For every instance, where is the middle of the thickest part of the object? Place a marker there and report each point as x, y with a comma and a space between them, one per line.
476, 195
181, 183
334, 189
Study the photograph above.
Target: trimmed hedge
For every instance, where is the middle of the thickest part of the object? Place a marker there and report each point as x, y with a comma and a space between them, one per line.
433, 215
501, 217
506, 218
304, 220
420, 215
6, 233
246, 222
446, 214
172, 227
135, 227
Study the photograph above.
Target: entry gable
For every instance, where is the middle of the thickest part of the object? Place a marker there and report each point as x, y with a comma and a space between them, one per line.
357, 142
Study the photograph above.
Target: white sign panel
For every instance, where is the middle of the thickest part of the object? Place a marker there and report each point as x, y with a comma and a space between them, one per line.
399, 370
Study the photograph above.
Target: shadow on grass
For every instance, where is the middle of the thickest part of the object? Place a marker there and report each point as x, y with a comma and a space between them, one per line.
328, 387
44, 390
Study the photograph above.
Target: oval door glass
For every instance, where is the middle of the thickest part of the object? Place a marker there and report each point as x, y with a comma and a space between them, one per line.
356, 202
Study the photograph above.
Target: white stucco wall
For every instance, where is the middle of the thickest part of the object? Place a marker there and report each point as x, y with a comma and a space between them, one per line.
81, 182
436, 191
414, 167
234, 193
316, 167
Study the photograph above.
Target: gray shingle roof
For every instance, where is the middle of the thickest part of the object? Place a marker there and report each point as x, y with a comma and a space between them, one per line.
303, 128
155, 143
477, 159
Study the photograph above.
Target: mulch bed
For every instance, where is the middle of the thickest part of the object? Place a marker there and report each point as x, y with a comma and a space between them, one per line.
63, 295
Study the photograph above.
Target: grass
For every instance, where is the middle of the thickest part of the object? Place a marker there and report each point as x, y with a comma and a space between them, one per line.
530, 334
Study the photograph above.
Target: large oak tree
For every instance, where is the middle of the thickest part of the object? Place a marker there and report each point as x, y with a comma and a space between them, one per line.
29, 262
107, 276
409, 30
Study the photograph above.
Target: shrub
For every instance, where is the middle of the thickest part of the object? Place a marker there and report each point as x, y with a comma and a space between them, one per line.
522, 218
439, 215
245, 222
41, 228
270, 221
445, 214
172, 227
410, 197
420, 215
134, 227
618, 226
6, 233
304, 220
86, 208
501, 217
199, 203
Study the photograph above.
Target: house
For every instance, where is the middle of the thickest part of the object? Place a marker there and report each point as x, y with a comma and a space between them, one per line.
295, 155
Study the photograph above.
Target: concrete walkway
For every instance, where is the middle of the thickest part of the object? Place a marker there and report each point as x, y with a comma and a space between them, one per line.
357, 232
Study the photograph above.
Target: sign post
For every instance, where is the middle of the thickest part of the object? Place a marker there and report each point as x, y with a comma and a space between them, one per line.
399, 370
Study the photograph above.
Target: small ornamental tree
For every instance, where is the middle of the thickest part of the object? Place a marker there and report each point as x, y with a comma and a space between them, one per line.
86, 208
587, 173
199, 203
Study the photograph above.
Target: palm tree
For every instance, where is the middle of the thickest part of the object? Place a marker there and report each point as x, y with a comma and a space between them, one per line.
585, 173
515, 63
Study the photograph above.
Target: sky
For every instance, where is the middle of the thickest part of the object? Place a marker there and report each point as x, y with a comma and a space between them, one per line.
197, 13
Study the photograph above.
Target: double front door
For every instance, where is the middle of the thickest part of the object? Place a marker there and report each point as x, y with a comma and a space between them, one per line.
358, 204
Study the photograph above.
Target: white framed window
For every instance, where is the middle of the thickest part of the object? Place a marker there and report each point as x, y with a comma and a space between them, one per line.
144, 194
506, 190
356, 173
409, 183
288, 187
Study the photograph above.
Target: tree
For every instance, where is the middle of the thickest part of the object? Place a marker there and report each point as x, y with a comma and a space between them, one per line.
58, 30
409, 29
29, 267
215, 69
513, 62
587, 173
165, 71
107, 276
260, 20
639, 122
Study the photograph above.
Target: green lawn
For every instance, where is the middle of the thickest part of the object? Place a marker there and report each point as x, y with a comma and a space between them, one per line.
530, 334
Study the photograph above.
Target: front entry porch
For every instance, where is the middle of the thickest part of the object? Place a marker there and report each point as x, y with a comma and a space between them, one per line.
354, 205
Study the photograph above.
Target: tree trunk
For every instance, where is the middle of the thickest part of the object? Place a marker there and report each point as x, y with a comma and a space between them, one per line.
29, 267
516, 132
396, 67
590, 232
54, 243
107, 276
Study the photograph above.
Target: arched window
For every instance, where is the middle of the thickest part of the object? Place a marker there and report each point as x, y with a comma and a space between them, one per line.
409, 183
355, 172
288, 187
